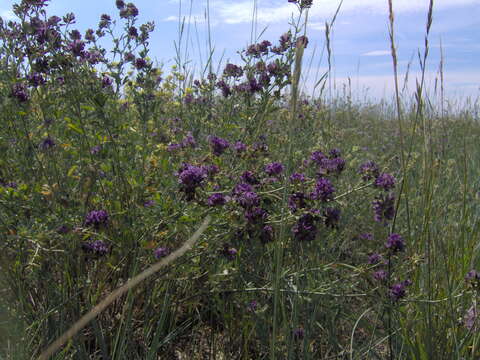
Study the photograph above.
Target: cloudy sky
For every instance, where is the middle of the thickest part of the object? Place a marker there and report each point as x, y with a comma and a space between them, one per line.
359, 38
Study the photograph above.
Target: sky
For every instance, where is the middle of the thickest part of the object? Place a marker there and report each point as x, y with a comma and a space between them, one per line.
359, 37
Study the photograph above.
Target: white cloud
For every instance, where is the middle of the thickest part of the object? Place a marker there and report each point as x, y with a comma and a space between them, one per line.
319, 26
188, 19
377, 53
234, 12
7, 15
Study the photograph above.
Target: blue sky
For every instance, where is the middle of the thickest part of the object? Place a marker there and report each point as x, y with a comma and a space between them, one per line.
359, 39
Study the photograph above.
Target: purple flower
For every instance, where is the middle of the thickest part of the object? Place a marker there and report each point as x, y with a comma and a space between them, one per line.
380, 275
105, 21
76, 47
239, 189
218, 145
216, 199
374, 258
299, 333
107, 81
249, 178
95, 150
36, 79
96, 218
229, 252
161, 252
190, 177
232, 70
473, 276
252, 306
19, 91
470, 318
297, 201
274, 168
385, 181
398, 291
128, 11
255, 215
140, 63
369, 170
323, 190
240, 147
189, 140
384, 208
248, 199
97, 247
305, 228
149, 203
366, 236
47, 143
120, 4
395, 243
64, 229
318, 157
332, 217
334, 153
266, 234
297, 177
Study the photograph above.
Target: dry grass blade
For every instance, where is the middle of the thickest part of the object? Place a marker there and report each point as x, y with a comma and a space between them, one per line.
80, 324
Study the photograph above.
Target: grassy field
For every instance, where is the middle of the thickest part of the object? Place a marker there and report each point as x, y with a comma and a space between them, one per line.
336, 229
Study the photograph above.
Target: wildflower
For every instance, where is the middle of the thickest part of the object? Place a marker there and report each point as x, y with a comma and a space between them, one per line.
98, 247
327, 166
106, 81
297, 201
190, 177
140, 63
216, 199
255, 215
240, 147
174, 147
305, 228
274, 168
380, 275
384, 208
374, 258
323, 190
398, 291
369, 170
297, 177
47, 143
64, 229
298, 333
218, 145
249, 178
120, 4
76, 47
19, 91
395, 243
252, 306
239, 189
332, 217
36, 79
105, 21
189, 140
161, 252
366, 236
385, 181
470, 318
473, 277
149, 203
96, 218
128, 11
248, 199
266, 234
232, 70
334, 153
229, 252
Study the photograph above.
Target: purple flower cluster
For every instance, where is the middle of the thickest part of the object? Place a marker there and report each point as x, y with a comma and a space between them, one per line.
218, 145
323, 190
232, 70
369, 170
398, 290
305, 228
96, 218
395, 243
190, 177
161, 252
98, 247
332, 217
274, 168
384, 208
385, 181
20, 92
216, 199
